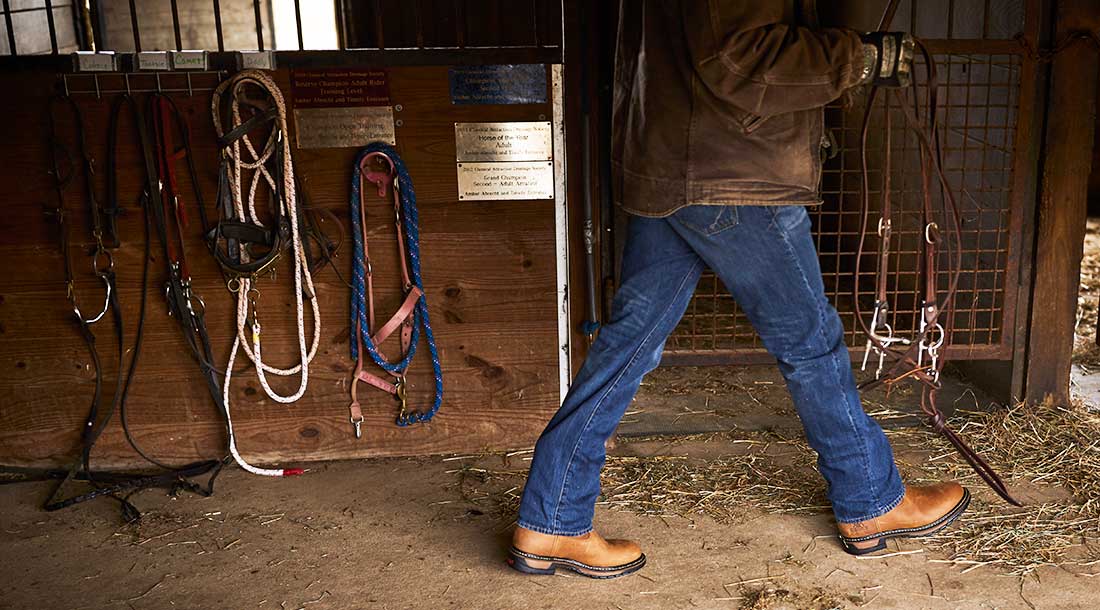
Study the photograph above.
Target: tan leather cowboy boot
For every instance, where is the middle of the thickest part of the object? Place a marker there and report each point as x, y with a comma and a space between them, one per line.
589, 555
922, 511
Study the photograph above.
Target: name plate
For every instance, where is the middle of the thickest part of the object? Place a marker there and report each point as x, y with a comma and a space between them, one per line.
189, 60
508, 181
343, 127
91, 61
256, 60
501, 84
152, 60
518, 141
339, 88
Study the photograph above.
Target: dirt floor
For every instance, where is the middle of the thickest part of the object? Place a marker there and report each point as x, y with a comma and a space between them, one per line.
729, 519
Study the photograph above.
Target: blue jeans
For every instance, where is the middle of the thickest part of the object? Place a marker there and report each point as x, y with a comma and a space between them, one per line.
765, 256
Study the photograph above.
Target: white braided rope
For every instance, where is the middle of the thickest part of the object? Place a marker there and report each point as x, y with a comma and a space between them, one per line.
301, 269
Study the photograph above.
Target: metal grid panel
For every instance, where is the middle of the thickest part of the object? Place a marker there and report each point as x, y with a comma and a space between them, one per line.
978, 113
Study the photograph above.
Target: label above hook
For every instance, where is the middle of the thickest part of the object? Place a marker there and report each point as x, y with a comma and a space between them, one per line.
255, 60
189, 60
95, 61
152, 61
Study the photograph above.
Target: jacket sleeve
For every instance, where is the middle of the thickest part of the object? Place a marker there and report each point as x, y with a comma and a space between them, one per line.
770, 69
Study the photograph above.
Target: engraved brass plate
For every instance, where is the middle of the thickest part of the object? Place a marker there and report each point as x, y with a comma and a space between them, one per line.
507, 181
519, 141
343, 127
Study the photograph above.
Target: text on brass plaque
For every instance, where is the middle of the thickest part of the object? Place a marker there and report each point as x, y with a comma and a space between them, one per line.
516, 141
508, 181
343, 127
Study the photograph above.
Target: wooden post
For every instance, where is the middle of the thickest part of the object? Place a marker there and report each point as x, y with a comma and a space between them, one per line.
1068, 140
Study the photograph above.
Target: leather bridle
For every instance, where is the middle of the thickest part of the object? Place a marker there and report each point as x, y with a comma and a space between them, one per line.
112, 484
921, 357
243, 245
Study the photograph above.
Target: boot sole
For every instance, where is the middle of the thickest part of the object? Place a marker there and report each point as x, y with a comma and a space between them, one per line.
529, 563
905, 532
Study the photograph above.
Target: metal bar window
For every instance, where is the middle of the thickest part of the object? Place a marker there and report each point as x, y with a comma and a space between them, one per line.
12, 50
218, 24
341, 26
176, 26
298, 23
53, 27
134, 27
379, 30
259, 25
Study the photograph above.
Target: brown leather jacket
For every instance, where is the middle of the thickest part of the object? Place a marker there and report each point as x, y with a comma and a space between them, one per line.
719, 102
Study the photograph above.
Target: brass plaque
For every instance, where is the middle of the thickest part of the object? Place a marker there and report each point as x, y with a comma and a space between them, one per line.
513, 180
519, 141
343, 127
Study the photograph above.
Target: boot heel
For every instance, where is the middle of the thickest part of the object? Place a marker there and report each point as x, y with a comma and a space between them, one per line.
527, 566
852, 549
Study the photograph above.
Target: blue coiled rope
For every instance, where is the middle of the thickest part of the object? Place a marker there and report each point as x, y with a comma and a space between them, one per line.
410, 222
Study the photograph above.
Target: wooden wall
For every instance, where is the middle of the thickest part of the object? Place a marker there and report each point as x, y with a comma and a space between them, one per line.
488, 269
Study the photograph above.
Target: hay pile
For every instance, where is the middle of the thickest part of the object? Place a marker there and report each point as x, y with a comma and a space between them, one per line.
775, 474
1045, 451
1055, 451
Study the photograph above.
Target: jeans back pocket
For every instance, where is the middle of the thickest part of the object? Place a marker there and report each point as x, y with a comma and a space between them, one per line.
707, 220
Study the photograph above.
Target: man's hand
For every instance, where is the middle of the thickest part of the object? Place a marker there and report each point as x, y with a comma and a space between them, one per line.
887, 59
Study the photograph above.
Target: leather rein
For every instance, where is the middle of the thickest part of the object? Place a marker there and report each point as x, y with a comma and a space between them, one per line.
106, 236
923, 356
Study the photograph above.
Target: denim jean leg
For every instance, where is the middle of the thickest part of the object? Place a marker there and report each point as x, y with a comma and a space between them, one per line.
659, 274
769, 263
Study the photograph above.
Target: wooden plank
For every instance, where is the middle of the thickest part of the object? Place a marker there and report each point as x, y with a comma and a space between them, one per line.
489, 276
1029, 127
1071, 113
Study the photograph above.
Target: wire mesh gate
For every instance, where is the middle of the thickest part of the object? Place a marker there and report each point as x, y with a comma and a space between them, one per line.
982, 63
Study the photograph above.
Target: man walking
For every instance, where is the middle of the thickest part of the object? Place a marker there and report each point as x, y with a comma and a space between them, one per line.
717, 149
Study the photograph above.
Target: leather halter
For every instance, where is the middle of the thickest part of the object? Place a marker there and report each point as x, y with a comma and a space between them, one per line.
922, 357
386, 182
412, 316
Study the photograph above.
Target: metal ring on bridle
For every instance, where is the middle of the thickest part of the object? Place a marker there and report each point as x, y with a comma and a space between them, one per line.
106, 303
939, 333
928, 228
95, 261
